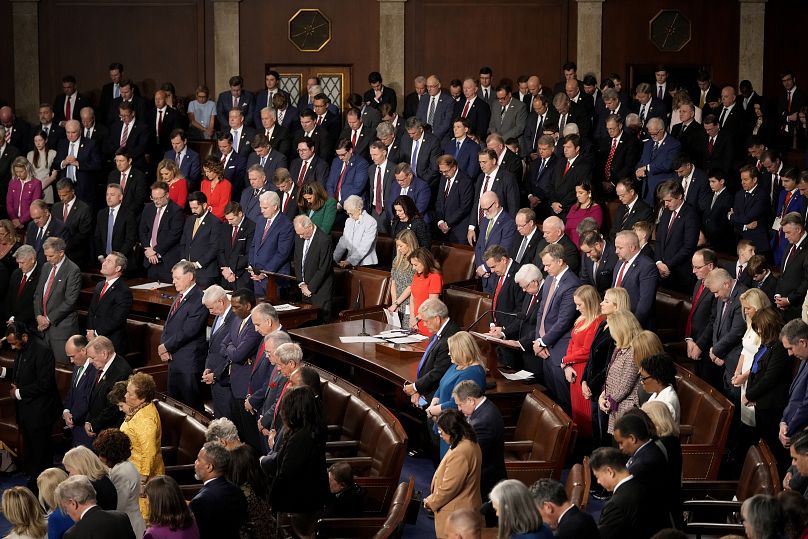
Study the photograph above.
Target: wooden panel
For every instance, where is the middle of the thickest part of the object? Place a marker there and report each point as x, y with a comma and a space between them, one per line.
354, 38
454, 38
156, 42
6, 55
786, 43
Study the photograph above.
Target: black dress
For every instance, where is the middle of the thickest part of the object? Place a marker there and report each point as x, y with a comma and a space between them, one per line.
418, 226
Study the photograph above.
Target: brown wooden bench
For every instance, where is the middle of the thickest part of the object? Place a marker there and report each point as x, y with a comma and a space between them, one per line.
456, 262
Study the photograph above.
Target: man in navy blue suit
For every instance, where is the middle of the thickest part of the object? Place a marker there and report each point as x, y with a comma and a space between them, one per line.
677, 236
462, 148
216, 366
183, 342
496, 228
235, 242
751, 213
42, 227
728, 326
287, 114
494, 178
200, 240
455, 197
647, 105
219, 508
794, 336
436, 108
233, 163
348, 176
407, 184
637, 274
267, 157
420, 149
597, 264
694, 183
79, 159
186, 159
477, 112
160, 232
234, 98
656, 161
327, 120
273, 242
77, 402
265, 97
564, 518
554, 321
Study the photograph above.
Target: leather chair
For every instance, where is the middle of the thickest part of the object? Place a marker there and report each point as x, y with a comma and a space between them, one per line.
467, 306
706, 415
578, 483
670, 309
456, 262
375, 288
183, 435
544, 434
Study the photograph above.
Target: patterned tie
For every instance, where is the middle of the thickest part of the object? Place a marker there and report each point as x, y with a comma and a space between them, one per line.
175, 306
431, 113
124, 135
302, 175
377, 203
547, 302
608, 168
48, 290
689, 323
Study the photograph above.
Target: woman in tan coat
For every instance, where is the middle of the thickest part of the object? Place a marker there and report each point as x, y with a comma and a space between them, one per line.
456, 483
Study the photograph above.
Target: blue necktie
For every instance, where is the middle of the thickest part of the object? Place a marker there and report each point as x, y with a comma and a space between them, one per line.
414, 157
457, 150
110, 225
429, 345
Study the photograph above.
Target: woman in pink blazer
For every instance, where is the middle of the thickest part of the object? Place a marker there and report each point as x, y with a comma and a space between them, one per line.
22, 190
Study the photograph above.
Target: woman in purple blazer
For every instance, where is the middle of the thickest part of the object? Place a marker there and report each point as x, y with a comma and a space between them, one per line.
169, 516
22, 190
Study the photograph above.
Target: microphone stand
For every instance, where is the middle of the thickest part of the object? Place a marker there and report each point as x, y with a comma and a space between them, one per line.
490, 311
360, 301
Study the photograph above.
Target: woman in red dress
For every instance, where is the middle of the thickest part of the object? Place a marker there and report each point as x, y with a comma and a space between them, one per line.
587, 302
426, 283
215, 186
169, 172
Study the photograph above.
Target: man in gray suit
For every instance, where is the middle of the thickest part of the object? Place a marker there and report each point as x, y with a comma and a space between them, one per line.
509, 116
56, 297
380, 176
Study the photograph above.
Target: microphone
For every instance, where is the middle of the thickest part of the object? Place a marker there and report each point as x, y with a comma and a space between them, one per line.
492, 311
359, 304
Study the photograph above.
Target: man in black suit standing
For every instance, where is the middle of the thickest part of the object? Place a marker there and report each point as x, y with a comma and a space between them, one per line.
68, 104
111, 303
265, 156
130, 132
792, 285
219, 508
110, 368
279, 137
216, 373
77, 402
91, 129
19, 300
327, 121
567, 175
453, 204
647, 105
690, 133
33, 388
42, 227
564, 518
77, 498
48, 126
115, 226
421, 150
381, 174
617, 153
308, 166
677, 236
162, 121
186, 159
8, 153
112, 90
159, 232
508, 295
525, 248
288, 192
200, 239
520, 332
76, 215
183, 341
597, 268
313, 265
413, 99
552, 230
632, 209
323, 146
717, 228
358, 133
79, 159
698, 332
379, 93
694, 183
234, 248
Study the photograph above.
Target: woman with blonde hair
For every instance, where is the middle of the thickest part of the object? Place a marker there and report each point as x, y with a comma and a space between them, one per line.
46, 483
169, 172
82, 461
23, 189
600, 353
23, 512
586, 299
752, 301
402, 273
620, 388
467, 364
645, 344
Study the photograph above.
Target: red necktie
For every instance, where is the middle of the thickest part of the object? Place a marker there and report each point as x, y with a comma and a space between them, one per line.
286, 197
619, 281
266, 230
466, 109
68, 115
710, 146
124, 135
353, 140
785, 204
275, 414
22, 284
496, 296
302, 174
48, 290
608, 168
567, 168
123, 181
64, 214
377, 203
159, 125
339, 183
175, 306
258, 357
688, 324
98, 374
104, 290
233, 239
319, 120
788, 102
670, 225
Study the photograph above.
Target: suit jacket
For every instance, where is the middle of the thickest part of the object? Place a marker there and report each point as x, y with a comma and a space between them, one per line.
523, 327
388, 96
478, 116
80, 229
358, 242
531, 249
632, 512
571, 254
89, 158
504, 185
136, 193
238, 350
106, 99
101, 414
418, 191
511, 123
503, 232
560, 314
7, 157
411, 103
793, 283
675, 245
244, 141
509, 299
235, 168
124, 232
699, 195
604, 277
261, 100
77, 401
701, 330
748, 208
576, 524
20, 303
34, 375
225, 102
54, 228
456, 483
281, 139
466, 156
62, 301
137, 142
290, 119
316, 272
486, 420
273, 252
330, 127
540, 181
728, 327
640, 281
429, 150
184, 334
625, 219
365, 136
796, 413
316, 171
190, 166
528, 141
659, 162
100, 524
563, 190
107, 315
442, 117
354, 182
653, 109
160, 141
75, 110
722, 155
235, 254
768, 387
219, 509
436, 362
717, 228
201, 248
388, 179
168, 233
249, 201
216, 361
624, 160
693, 141
20, 136
139, 105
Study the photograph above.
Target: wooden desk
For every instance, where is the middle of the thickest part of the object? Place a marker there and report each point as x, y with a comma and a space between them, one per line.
153, 305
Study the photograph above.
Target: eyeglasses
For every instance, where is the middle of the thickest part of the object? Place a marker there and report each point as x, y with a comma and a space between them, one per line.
644, 378
489, 207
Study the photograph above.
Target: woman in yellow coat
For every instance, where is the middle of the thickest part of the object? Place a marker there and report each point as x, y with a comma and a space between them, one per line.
142, 425
456, 483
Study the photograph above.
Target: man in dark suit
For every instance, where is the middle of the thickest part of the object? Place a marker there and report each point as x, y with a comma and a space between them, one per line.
391, 137
552, 231
47, 125
216, 373
288, 114
219, 508
647, 105
632, 208
273, 243
790, 102
183, 344
677, 236
436, 109
200, 238
540, 175
130, 95
656, 161
92, 129
186, 159
348, 176
792, 285
555, 317
698, 330
235, 241
132, 133
76, 215
17, 130
112, 90
323, 146
717, 228
421, 150
68, 104
19, 300
159, 233
233, 163
632, 511
435, 361
496, 228
727, 326
526, 246
506, 158
538, 116
258, 185
476, 111
33, 388
507, 294
56, 297
795, 416
381, 176
327, 120
597, 268
379, 93
77, 401
751, 212
705, 95
132, 182
79, 159
520, 332
694, 183
77, 498
116, 226
111, 303
279, 137
42, 227
162, 121
568, 174
265, 97
110, 367
690, 134
637, 274
564, 518
413, 100
617, 154
719, 152
496, 179
234, 98
242, 134
288, 192
312, 265
359, 134
567, 113
407, 184
307, 166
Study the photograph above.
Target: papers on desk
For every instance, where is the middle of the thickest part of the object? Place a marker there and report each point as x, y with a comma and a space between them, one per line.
409, 339
149, 286
392, 319
518, 376
400, 336
285, 307
355, 340
487, 337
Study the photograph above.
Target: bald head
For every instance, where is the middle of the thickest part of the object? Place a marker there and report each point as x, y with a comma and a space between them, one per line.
488, 198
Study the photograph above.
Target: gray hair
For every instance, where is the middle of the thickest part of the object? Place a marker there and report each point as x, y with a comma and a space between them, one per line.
385, 129
467, 389
270, 197
303, 221
258, 169
433, 307
272, 112
656, 123
221, 430
633, 119
517, 512
24, 251
186, 267
413, 123
527, 273
77, 488
289, 352
718, 276
554, 222
610, 93
277, 338
794, 331
212, 294
115, 187
764, 514
586, 224
571, 129
218, 456
55, 244
264, 311
353, 202
631, 236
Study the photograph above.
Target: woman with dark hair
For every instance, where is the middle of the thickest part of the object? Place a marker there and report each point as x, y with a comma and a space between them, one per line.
170, 516
41, 157
114, 448
298, 476
583, 208
795, 513
215, 186
658, 377
245, 472
769, 382
426, 283
407, 217
315, 202
456, 483
762, 126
